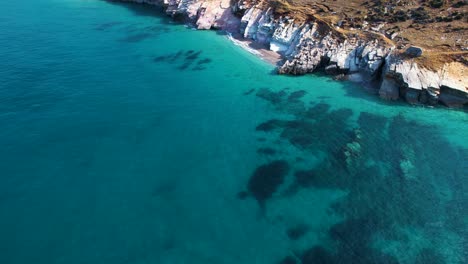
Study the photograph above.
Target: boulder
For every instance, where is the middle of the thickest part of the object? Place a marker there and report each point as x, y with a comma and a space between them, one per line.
412, 96
453, 101
414, 51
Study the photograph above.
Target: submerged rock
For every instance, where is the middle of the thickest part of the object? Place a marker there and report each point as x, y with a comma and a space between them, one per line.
266, 151
352, 152
288, 260
266, 179
296, 232
317, 255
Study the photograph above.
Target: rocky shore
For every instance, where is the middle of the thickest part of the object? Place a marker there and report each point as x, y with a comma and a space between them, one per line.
307, 46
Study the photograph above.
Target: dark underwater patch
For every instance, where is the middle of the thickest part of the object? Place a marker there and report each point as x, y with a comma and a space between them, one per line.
371, 120
163, 188
295, 107
170, 57
288, 260
320, 255
193, 56
273, 97
130, 29
184, 66
175, 56
317, 255
106, 26
160, 58
136, 37
329, 131
249, 92
300, 133
184, 59
204, 61
266, 180
306, 178
242, 195
429, 256
378, 202
355, 231
266, 151
315, 128
270, 125
325, 176
298, 231
353, 246
294, 96
198, 68
317, 110
393, 169
310, 135
200, 65
371, 128
300, 159
157, 29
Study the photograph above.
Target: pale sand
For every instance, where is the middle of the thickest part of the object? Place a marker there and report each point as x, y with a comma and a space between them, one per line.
259, 49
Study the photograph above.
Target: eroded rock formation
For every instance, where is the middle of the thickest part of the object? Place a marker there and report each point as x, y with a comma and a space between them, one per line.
314, 44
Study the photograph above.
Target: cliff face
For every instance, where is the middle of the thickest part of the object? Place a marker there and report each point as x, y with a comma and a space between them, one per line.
407, 79
308, 46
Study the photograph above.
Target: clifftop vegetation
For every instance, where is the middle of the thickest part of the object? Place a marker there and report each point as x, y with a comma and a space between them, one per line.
438, 26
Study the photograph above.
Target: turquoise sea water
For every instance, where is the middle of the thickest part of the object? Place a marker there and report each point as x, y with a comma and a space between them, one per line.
127, 138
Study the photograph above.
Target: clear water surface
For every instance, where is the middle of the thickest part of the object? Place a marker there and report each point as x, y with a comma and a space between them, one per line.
127, 138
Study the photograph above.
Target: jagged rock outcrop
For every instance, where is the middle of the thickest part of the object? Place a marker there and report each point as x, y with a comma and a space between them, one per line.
206, 14
405, 78
335, 54
284, 35
314, 45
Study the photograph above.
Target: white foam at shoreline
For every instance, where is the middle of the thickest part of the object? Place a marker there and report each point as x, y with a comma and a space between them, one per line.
244, 45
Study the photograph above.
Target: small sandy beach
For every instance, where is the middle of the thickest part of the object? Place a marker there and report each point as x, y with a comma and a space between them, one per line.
259, 49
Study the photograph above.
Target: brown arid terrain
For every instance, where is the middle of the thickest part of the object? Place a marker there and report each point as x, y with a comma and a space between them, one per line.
440, 27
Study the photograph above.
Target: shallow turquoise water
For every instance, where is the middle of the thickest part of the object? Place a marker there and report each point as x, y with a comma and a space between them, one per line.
126, 138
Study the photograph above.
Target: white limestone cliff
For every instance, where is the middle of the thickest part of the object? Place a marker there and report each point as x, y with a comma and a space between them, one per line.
307, 47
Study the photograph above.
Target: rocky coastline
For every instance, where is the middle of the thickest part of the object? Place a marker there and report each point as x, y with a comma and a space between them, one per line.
307, 46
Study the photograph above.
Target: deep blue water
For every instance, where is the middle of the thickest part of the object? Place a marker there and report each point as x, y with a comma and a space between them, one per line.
127, 138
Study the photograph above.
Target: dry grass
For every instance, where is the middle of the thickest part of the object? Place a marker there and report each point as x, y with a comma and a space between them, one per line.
440, 39
436, 60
